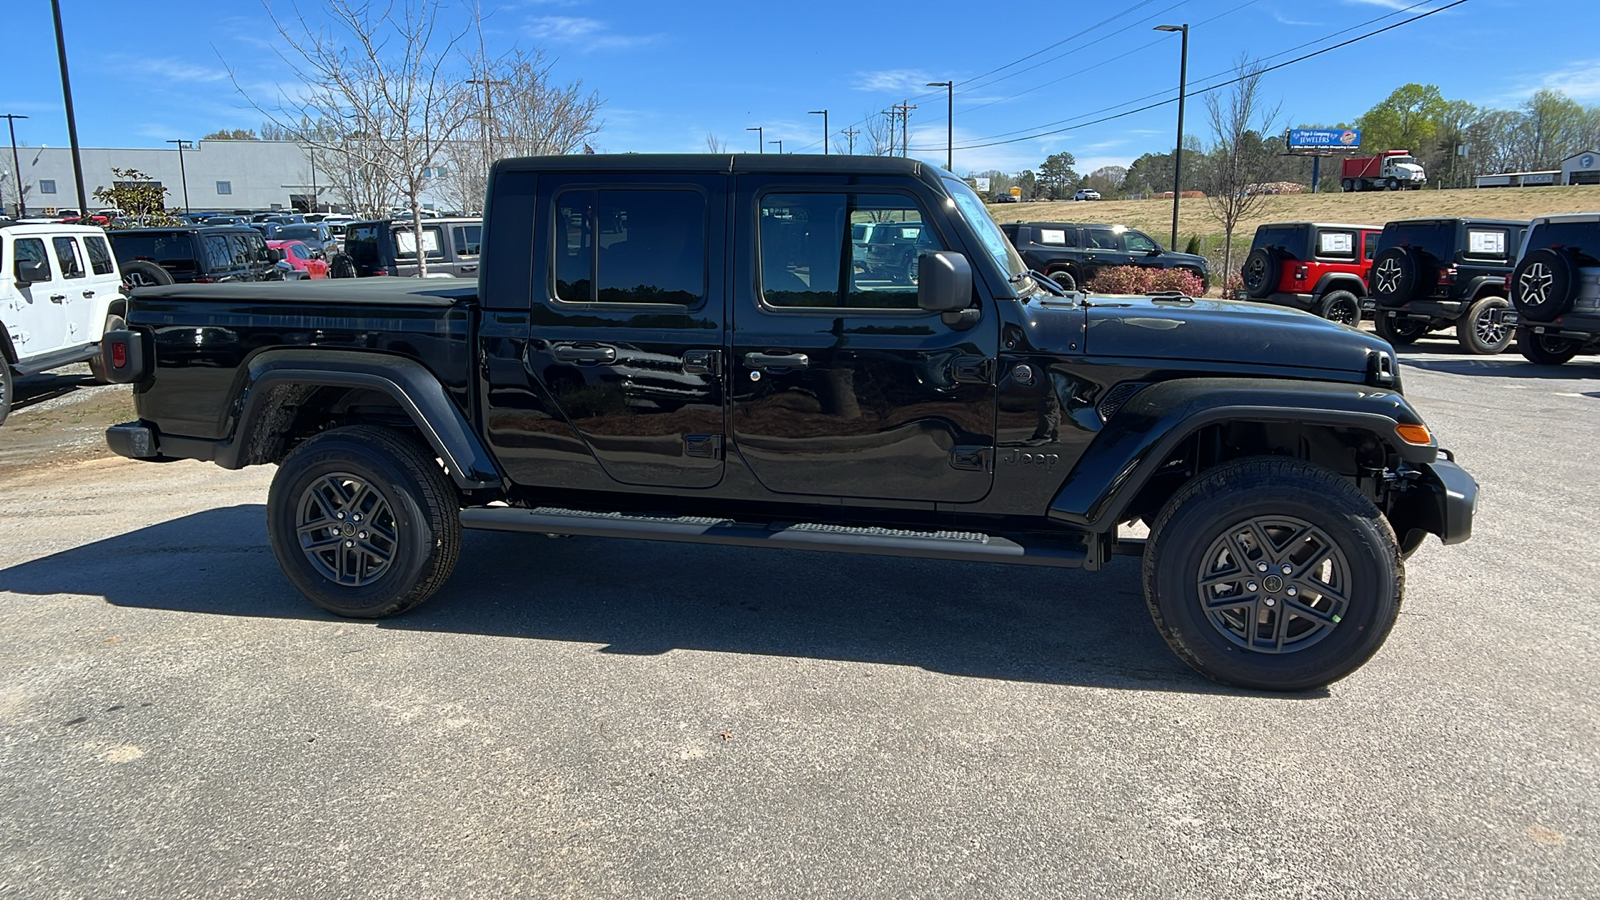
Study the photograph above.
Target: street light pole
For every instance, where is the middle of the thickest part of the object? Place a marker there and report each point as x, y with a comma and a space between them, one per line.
16, 167
950, 123
1177, 153
72, 120
183, 173
761, 136
824, 114
779, 142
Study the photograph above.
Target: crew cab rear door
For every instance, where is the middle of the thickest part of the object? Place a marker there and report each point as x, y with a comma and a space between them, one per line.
613, 373
842, 386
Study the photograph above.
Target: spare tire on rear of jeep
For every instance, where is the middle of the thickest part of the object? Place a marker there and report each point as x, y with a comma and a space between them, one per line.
143, 273
1544, 284
341, 266
1260, 272
1394, 277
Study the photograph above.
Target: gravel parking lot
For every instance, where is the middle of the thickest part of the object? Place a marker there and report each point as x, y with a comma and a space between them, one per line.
581, 717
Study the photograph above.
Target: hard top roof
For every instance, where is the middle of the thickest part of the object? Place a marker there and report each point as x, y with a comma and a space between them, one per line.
31, 229
1437, 220
1350, 225
716, 162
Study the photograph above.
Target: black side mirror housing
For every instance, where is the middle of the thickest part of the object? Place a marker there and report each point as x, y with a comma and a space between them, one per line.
944, 281
1154, 251
274, 255
31, 272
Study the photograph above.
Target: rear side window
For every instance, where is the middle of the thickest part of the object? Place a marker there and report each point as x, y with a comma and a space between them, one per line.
31, 250
1487, 243
99, 255
218, 256
405, 243
238, 251
468, 239
630, 246
67, 257
1101, 239
1056, 237
1336, 244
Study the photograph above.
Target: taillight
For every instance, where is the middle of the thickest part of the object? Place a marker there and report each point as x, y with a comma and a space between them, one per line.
201, 279
1301, 273
1448, 275
380, 271
119, 355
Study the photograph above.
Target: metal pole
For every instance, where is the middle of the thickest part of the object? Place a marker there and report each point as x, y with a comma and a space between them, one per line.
824, 114
22, 207
72, 121
1177, 154
761, 137
949, 122
184, 174
779, 142
1316, 172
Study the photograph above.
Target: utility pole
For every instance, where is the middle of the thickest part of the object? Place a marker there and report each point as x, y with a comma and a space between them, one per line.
950, 122
905, 124
779, 142
22, 208
850, 133
893, 113
183, 173
486, 122
761, 136
824, 114
72, 120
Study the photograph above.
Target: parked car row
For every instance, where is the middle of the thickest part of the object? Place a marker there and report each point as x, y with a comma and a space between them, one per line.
1072, 254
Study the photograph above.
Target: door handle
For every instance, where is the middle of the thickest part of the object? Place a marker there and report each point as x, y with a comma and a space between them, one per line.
88, 294
757, 360
58, 298
593, 353
469, 268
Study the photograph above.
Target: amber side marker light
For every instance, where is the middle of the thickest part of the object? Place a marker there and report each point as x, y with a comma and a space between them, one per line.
1414, 434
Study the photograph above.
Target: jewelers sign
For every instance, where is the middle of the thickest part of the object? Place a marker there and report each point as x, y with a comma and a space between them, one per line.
1330, 139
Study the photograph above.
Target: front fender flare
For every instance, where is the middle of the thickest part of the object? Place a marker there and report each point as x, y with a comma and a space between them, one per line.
1151, 425
409, 383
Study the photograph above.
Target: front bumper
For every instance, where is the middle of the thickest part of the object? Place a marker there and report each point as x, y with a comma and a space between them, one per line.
1455, 498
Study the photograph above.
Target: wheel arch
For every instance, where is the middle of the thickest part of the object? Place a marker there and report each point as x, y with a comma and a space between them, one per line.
290, 395
1340, 281
8, 353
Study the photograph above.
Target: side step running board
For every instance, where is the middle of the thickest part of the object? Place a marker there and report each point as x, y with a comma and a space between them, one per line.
951, 545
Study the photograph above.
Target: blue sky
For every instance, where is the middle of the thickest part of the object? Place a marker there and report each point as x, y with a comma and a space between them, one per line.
671, 73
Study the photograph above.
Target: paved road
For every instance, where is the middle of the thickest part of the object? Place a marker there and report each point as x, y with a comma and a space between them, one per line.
612, 719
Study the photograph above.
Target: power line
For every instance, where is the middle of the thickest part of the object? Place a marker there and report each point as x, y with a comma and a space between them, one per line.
1210, 88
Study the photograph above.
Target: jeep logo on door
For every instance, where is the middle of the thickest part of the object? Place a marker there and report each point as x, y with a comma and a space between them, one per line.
1046, 461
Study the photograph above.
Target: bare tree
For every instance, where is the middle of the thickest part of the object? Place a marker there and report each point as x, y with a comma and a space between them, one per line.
383, 73
715, 144
1239, 160
879, 134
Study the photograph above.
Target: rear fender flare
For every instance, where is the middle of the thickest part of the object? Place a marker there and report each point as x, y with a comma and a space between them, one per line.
410, 384
1340, 281
1144, 433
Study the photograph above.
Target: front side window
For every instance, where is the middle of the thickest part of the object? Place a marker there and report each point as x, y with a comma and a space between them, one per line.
99, 255
67, 258
630, 246
1138, 242
1101, 239
808, 259
31, 250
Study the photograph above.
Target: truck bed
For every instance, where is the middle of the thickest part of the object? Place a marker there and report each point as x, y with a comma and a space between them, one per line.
388, 291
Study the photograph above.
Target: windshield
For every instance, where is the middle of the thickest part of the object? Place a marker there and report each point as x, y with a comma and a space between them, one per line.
972, 209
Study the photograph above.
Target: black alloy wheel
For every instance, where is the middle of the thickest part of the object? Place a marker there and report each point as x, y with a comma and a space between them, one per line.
1546, 349
1544, 284
1259, 272
1064, 280
1342, 307
1484, 330
143, 273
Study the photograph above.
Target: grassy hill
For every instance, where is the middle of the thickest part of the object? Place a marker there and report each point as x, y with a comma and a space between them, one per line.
1194, 216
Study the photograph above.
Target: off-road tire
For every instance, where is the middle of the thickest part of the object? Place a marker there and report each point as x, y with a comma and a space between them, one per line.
1342, 307
1395, 276
1544, 284
1545, 349
1063, 279
1260, 272
1223, 500
423, 514
1476, 331
97, 363
143, 273
341, 266
8, 386
1399, 332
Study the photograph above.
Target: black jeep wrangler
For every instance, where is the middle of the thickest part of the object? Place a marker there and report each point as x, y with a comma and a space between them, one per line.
1431, 274
685, 348
1074, 254
1556, 288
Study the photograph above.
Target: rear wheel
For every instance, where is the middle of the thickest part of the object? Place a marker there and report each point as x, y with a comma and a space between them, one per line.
1342, 307
1064, 279
97, 365
1544, 349
1399, 332
1483, 330
364, 522
1274, 574
7, 385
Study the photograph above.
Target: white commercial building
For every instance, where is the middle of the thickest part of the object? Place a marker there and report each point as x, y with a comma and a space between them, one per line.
221, 176
1581, 168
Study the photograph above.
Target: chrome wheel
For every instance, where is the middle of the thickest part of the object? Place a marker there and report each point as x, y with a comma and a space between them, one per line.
1491, 326
1274, 584
346, 529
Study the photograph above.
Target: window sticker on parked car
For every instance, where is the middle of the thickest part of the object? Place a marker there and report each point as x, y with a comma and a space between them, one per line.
1052, 236
1486, 243
1332, 243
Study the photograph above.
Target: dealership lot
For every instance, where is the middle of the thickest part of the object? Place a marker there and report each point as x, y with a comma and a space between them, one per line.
628, 719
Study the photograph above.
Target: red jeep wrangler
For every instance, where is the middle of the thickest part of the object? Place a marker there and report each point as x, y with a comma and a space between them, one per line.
1314, 266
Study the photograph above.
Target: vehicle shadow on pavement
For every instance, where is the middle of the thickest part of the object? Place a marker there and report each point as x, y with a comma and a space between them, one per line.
47, 386
1498, 367
641, 598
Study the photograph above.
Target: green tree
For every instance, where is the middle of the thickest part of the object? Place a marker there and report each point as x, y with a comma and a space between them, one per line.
1107, 180
1056, 176
1029, 184
1553, 129
236, 134
139, 197
1407, 119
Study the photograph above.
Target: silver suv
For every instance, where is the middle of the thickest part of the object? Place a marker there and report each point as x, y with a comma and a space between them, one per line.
1556, 288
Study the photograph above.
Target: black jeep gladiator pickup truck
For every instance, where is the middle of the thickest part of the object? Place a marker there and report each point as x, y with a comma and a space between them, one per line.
693, 349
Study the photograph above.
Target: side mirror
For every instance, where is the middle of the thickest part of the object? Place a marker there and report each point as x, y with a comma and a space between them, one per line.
30, 272
1153, 251
944, 281
274, 255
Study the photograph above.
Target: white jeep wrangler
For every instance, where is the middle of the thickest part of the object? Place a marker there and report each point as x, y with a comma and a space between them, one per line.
60, 290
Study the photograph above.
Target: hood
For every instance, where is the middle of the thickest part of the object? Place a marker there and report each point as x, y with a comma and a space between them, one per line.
1232, 333
1174, 260
1414, 170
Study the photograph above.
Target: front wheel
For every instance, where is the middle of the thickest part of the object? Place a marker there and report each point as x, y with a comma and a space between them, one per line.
1273, 574
1544, 349
1483, 330
363, 522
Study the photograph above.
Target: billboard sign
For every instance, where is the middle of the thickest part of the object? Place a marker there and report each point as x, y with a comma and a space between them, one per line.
981, 184
1331, 139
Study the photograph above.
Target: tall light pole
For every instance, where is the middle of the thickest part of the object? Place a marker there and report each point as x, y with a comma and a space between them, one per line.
850, 134
779, 142
72, 120
1177, 153
16, 167
824, 114
950, 123
761, 136
183, 173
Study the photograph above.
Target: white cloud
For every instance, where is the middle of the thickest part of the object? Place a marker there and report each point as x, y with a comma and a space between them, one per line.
176, 70
898, 81
585, 33
1580, 81
1285, 20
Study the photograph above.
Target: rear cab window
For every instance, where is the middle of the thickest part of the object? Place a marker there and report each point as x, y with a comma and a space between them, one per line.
1337, 244
1433, 239
1581, 239
630, 245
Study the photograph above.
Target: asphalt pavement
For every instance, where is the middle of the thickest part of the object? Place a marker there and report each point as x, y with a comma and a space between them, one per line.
621, 719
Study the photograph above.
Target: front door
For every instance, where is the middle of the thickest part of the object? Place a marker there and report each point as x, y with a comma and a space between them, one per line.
39, 323
1102, 250
841, 385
